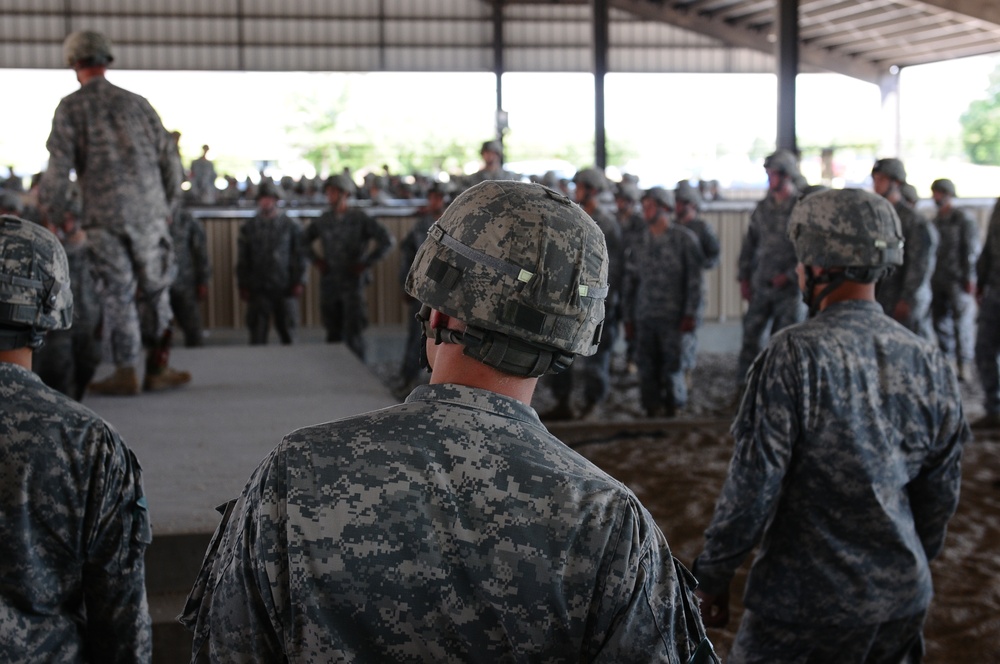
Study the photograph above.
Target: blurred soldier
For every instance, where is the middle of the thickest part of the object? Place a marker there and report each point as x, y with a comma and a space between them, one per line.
634, 230
270, 268
190, 288
69, 358
127, 172
987, 337
454, 527
595, 371
953, 284
663, 302
73, 521
11, 202
351, 243
409, 370
688, 204
909, 195
203, 177
905, 293
847, 461
492, 154
767, 262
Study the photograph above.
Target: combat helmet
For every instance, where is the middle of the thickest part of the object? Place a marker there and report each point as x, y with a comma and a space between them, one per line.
34, 284
854, 233
591, 177
688, 194
339, 181
784, 162
663, 197
945, 186
87, 47
892, 168
524, 267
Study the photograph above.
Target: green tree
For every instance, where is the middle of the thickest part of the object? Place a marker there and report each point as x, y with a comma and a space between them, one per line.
981, 125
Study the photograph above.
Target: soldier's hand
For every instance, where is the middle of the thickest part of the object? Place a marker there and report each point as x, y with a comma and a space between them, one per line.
745, 291
358, 268
780, 280
202, 292
296, 290
322, 266
687, 324
969, 287
629, 331
714, 608
901, 311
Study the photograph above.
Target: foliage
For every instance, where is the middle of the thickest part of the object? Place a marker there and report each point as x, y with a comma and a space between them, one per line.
981, 125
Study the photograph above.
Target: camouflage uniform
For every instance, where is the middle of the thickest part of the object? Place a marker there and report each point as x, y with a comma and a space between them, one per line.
911, 283
710, 250
129, 179
203, 177
447, 529
193, 272
270, 263
766, 253
68, 360
351, 244
987, 338
952, 308
666, 288
75, 529
846, 471
634, 231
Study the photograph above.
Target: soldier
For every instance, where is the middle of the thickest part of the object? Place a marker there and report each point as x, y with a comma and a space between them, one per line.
492, 154
953, 283
596, 369
466, 531
905, 293
847, 461
127, 174
190, 288
909, 194
634, 230
352, 242
74, 522
270, 268
203, 176
987, 339
663, 302
410, 368
767, 263
688, 205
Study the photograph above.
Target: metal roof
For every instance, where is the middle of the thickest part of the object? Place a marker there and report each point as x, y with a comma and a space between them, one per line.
859, 38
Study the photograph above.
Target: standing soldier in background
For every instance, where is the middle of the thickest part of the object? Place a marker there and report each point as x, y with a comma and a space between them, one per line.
492, 169
127, 173
953, 284
203, 176
634, 230
270, 268
74, 525
351, 242
847, 465
688, 202
767, 263
595, 370
662, 303
190, 288
988, 326
905, 293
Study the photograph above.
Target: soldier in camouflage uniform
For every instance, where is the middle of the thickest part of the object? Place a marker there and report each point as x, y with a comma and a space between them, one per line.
271, 264
767, 263
203, 176
454, 527
953, 283
634, 230
987, 338
847, 461
352, 242
190, 288
492, 154
595, 371
663, 300
688, 202
73, 521
127, 173
905, 293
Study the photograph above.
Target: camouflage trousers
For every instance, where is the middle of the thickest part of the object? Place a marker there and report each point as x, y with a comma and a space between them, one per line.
658, 354
187, 313
263, 308
135, 268
769, 310
593, 370
345, 317
764, 641
988, 350
68, 360
954, 314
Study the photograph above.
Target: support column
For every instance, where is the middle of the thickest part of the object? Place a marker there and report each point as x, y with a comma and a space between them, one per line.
787, 54
500, 118
601, 40
889, 133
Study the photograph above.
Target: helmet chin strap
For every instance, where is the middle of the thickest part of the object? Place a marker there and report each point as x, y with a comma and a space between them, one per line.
832, 281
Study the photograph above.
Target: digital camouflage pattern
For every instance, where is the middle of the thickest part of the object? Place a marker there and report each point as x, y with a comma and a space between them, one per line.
203, 176
73, 532
193, 272
87, 45
34, 277
987, 340
845, 473
450, 528
953, 308
710, 251
532, 265
350, 244
911, 282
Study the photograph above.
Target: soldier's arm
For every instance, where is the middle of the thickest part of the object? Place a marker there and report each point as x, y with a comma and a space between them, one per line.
54, 184
381, 242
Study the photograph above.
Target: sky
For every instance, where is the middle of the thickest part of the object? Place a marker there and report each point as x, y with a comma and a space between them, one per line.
675, 125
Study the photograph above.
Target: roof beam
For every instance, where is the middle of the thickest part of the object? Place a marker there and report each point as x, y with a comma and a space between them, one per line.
984, 10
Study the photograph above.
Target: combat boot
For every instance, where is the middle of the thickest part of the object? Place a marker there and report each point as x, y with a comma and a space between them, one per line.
166, 379
123, 382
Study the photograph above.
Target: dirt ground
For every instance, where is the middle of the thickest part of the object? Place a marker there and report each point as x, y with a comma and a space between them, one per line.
677, 473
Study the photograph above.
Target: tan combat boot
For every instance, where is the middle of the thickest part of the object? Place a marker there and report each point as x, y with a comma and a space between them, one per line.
166, 379
123, 382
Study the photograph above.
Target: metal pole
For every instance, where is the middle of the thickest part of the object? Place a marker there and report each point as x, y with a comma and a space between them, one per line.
601, 41
787, 55
498, 64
